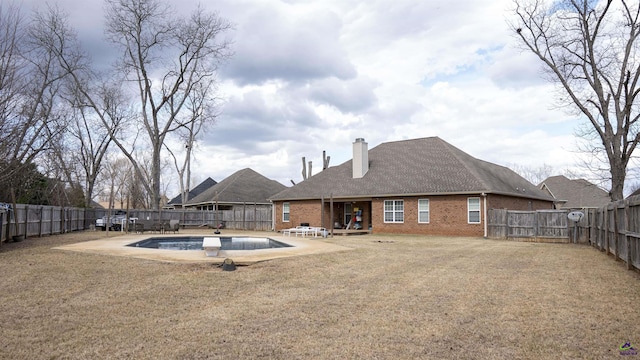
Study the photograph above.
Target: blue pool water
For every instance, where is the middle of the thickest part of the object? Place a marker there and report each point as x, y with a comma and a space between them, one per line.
195, 243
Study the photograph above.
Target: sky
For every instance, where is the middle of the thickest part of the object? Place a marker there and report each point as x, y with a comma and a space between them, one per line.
314, 75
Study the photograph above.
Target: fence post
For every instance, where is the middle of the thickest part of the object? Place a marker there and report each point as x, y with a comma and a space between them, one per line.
600, 229
26, 221
18, 229
40, 222
616, 250
627, 238
244, 215
606, 230
592, 225
9, 223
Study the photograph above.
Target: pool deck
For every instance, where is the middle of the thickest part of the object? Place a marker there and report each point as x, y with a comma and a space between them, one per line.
116, 246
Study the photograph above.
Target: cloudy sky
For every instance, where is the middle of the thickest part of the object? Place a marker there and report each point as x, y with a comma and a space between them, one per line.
313, 75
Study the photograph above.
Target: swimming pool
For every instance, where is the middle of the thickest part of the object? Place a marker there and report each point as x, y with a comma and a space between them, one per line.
195, 243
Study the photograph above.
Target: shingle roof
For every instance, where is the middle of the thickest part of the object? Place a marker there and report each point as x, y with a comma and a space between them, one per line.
575, 194
244, 185
425, 166
209, 182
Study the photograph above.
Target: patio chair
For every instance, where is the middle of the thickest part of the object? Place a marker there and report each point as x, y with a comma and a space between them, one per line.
157, 227
138, 227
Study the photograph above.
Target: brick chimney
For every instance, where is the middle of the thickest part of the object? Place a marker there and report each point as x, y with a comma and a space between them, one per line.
360, 158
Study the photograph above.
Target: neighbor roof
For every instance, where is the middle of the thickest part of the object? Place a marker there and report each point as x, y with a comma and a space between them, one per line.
414, 167
575, 194
242, 186
209, 182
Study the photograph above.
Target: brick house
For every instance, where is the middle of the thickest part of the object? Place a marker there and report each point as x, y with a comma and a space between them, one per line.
419, 186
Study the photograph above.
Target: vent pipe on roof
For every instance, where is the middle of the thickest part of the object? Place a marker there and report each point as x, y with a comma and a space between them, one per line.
360, 158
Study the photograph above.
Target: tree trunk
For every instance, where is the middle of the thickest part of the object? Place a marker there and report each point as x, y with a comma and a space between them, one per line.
618, 174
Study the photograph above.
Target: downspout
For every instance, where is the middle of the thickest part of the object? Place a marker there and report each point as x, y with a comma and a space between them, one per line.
484, 195
273, 215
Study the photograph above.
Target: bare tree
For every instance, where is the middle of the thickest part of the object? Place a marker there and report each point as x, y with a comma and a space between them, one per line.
95, 109
92, 108
201, 109
589, 49
30, 84
166, 58
535, 175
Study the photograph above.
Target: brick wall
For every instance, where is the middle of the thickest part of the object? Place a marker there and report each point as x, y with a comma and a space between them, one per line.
307, 211
448, 214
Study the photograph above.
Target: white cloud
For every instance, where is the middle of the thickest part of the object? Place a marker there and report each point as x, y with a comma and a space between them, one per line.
289, 43
314, 75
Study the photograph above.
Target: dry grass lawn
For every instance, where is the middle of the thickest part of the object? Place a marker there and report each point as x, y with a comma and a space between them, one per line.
393, 297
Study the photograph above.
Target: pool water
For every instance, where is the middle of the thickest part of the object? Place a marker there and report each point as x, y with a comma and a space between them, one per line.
195, 243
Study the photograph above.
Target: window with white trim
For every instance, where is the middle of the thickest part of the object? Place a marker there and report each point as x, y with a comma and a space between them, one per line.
473, 210
394, 211
423, 211
285, 212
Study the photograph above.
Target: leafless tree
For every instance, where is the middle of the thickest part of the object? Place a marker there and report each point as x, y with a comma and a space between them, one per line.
589, 49
30, 83
202, 110
535, 175
92, 108
165, 58
117, 171
95, 109
28, 90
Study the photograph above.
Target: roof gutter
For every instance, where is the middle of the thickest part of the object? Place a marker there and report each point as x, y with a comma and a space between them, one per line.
227, 203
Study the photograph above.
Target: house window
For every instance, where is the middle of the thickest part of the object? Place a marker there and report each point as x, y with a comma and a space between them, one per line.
423, 211
394, 211
285, 212
347, 213
473, 209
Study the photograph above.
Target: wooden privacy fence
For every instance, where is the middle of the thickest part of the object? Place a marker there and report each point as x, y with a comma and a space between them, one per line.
36, 220
39, 220
243, 217
513, 224
615, 229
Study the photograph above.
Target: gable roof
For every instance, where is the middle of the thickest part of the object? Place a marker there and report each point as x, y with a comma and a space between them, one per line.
425, 166
209, 182
577, 194
242, 186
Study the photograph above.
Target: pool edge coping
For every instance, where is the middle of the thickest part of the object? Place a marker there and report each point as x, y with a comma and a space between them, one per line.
117, 246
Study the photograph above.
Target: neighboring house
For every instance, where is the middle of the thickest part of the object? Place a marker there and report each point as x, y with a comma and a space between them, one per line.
574, 194
244, 187
176, 202
419, 186
95, 205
